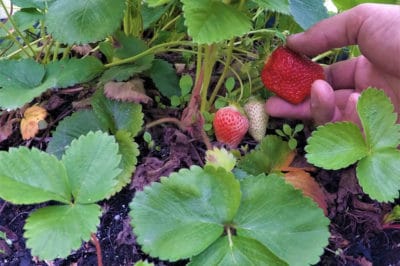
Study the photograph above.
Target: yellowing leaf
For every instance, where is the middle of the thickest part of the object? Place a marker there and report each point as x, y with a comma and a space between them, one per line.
30, 123
220, 158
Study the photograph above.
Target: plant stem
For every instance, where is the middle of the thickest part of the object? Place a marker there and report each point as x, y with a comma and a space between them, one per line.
163, 120
16, 28
210, 57
229, 233
199, 62
22, 49
96, 243
55, 51
155, 49
223, 75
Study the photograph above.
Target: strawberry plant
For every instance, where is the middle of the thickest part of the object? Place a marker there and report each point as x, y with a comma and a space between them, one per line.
212, 218
374, 148
86, 174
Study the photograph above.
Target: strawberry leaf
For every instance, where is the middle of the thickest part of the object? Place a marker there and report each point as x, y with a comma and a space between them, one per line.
307, 13
129, 151
116, 115
266, 214
59, 74
181, 216
68, 72
240, 251
31, 176
92, 162
22, 73
153, 3
54, 231
378, 119
210, 21
280, 6
271, 152
79, 23
164, 77
336, 146
70, 128
377, 174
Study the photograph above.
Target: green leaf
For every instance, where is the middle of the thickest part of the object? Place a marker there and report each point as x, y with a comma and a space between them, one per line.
70, 128
307, 13
31, 176
336, 145
92, 166
186, 84
23, 19
68, 72
164, 77
282, 219
26, 73
24, 81
122, 73
378, 174
280, 6
143, 263
210, 21
378, 119
41, 4
271, 152
129, 151
54, 231
128, 46
181, 216
242, 251
84, 21
154, 3
151, 15
347, 4
116, 115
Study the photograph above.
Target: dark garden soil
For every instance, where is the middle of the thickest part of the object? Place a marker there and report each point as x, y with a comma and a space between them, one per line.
358, 236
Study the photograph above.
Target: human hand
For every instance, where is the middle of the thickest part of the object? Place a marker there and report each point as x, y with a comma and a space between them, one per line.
374, 27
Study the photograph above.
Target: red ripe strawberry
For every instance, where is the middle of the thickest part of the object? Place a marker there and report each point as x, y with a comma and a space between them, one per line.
230, 126
290, 75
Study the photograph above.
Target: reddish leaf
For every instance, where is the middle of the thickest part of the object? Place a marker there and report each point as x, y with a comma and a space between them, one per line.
131, 91
305, 182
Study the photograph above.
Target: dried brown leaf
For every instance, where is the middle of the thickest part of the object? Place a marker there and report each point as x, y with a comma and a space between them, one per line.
6, 130
130, 91
31, 122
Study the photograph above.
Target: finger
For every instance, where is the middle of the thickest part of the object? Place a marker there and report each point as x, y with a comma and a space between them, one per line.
350, 112
334, 32
278, 107
341, 75
322, 103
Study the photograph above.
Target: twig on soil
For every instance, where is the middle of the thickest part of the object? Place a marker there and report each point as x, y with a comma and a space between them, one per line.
96, 243
3, 206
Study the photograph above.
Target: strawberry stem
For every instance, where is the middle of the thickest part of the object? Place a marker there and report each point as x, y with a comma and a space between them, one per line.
223, 75
210, 58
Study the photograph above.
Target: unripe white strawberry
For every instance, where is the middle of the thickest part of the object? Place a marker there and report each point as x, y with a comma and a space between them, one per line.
258, 118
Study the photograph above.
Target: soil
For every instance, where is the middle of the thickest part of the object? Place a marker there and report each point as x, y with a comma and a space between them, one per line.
358, 236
